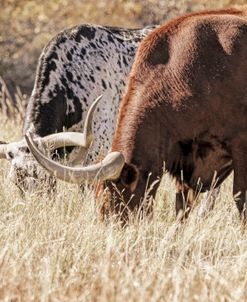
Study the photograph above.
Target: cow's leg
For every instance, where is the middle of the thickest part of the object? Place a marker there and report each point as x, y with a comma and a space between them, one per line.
184, 200
239, 154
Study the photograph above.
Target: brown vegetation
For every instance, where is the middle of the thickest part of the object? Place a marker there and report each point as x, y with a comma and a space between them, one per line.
55, 249
26, 26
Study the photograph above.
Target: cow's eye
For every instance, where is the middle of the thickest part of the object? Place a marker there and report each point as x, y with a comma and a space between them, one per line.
10, 155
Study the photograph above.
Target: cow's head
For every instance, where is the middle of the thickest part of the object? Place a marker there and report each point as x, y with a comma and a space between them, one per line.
121, 184
25, 172
116, 180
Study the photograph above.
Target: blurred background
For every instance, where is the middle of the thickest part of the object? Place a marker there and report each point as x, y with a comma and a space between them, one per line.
27, 25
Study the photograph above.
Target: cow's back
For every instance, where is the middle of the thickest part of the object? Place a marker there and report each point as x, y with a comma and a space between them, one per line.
187, 89
77, 66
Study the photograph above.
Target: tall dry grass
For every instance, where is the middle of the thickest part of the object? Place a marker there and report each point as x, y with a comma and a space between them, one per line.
54, 248
27, 25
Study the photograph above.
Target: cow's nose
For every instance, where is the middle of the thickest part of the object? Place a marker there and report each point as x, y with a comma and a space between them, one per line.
24, 150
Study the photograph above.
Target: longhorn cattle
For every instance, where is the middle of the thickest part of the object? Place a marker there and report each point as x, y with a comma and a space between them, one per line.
186, 105
75, 67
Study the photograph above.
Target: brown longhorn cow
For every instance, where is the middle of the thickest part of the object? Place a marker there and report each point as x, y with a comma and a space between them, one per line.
186, 105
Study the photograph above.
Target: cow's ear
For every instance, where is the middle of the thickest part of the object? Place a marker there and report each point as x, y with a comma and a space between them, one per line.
130, 176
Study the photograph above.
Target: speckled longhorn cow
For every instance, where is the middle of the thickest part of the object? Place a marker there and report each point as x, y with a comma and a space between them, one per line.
185, 105
75, 67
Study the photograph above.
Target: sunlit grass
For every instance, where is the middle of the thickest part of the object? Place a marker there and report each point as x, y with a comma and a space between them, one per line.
54, 248
27, 25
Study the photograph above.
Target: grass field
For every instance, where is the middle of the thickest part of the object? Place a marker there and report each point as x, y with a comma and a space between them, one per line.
27, 25
54, 248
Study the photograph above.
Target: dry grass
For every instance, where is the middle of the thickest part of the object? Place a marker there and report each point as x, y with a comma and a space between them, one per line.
55, 249
27, 25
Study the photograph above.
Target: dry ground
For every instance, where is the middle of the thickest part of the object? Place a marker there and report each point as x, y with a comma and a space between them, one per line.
55, 248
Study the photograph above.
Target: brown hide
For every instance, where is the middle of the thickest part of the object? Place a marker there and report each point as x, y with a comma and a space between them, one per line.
186, 105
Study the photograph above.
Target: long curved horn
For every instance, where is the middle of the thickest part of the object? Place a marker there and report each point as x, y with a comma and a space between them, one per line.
108, 169
61, 139
69, 139
52, 141
87, 129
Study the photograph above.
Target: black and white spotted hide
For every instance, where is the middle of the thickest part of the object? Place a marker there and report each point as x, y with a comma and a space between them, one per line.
75, 67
